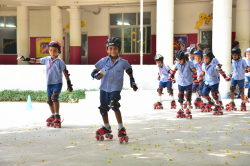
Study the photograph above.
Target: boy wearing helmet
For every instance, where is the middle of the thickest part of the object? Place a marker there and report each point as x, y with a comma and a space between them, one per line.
190, 53
247, 75
210, 70
186, 77
239, 66
163, 75
110, 70
197, 89
54, 69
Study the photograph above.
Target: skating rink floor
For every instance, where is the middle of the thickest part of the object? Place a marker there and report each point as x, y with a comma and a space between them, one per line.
156, 137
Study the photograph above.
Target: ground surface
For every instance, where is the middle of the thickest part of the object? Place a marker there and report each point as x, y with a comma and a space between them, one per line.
157, 137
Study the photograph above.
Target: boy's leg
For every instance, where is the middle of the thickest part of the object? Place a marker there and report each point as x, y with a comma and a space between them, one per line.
104, 108
188, 95
233, 88
171, 93
115, 105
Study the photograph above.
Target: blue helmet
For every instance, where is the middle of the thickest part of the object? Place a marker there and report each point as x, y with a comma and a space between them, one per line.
248, 50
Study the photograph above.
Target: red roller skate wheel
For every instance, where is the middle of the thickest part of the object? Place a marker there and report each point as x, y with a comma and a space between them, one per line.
221, 113
110, 136
121, 140
97, 137
177, 116
214, 113
190, 116
126, 139
101, 138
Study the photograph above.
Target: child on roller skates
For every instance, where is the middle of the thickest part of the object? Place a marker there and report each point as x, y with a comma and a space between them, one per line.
197, 88
210, 71
247, 75
164, 82
190, 53
239, 67
186, 77
110, 70
54, 69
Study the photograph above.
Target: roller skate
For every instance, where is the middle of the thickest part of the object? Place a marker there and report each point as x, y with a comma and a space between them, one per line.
217, 110
180, 114
203, 107
158, 105
198, 103
208, 107
188, 114
50, 121
122, 135
103, 131
57, 121
185, 105
231, 106
221, 105
243, 106
173, 104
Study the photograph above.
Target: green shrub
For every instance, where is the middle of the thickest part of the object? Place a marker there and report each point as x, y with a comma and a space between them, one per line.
41, 96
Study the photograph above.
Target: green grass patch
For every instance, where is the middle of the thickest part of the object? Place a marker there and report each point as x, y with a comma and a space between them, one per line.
41, 96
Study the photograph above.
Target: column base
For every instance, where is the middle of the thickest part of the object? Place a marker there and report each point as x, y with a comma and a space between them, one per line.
75, 55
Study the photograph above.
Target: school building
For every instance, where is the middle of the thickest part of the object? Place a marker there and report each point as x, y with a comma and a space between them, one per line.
83, 26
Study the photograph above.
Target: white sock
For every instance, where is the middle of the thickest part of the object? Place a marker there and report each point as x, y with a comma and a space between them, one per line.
219, 96
243, 101
182, 107
120, 125
232, 100
107, 125
56, 113
196, 95
160, 99
246, 91
204, 100
172, 97
188, 106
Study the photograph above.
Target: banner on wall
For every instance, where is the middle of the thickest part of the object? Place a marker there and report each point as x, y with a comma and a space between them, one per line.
180, 42
9, 46
42, 47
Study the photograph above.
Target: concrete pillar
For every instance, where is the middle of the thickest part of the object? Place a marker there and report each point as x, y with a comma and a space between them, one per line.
23, 32
75, 35
56, 26
222, 35
165, 29
243, 24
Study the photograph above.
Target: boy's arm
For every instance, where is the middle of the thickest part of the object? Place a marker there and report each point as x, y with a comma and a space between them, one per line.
132, 80
31, 60
201, 77
172, 74
97, 73
195, 81
219, 69
66, 74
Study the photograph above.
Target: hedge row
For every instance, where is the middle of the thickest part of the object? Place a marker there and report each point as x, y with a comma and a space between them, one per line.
40, 96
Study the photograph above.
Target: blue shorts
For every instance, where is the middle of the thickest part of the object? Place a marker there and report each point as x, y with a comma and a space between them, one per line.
240, 83
247, 81
207, 88
106, 97
185, 88
165, 84
198, 87
54, 88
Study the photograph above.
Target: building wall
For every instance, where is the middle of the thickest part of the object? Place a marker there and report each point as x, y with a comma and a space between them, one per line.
97, 27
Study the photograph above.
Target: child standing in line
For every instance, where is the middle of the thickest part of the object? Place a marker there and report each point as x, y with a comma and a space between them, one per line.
197, 88
239, 66
186, 77
163, 76
54, 69
190, 53
110, 70
210, 70
247, 75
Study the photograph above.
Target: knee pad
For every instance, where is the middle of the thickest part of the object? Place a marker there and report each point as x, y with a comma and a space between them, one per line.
114, 104
241, 91
170, 91
160, 89
104, 110
188, 95
214, 93
208, 98
49, 101
55, 96
232, 87
181, 96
